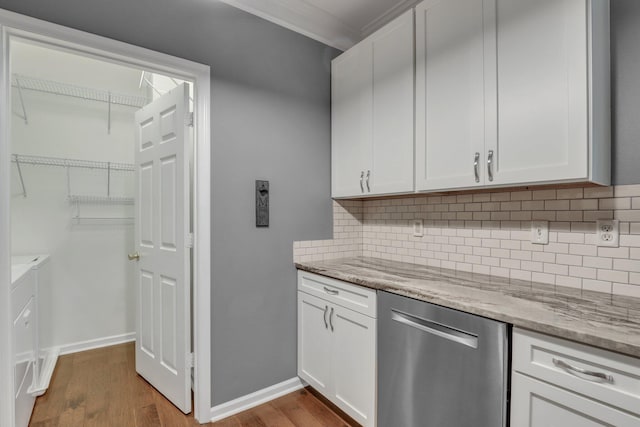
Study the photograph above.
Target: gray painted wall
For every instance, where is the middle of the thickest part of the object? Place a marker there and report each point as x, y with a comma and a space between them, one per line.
625, 90
270, 120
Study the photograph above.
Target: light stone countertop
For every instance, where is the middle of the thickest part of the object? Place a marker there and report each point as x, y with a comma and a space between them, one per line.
594, 318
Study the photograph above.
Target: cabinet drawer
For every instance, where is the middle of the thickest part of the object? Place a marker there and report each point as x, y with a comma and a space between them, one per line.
22, 292
24, 342
353, 297
538, 404
559, 362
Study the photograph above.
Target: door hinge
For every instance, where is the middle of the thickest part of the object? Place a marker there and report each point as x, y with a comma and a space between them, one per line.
188, 121
191, 360
189, 240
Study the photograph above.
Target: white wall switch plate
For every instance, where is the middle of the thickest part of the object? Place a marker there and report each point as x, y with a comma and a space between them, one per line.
418, 228
608, 233
540, 232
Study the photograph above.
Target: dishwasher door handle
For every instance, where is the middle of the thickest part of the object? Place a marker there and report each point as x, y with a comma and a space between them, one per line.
435, 328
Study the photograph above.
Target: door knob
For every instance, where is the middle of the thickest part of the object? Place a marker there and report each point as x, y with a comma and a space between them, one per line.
133, 256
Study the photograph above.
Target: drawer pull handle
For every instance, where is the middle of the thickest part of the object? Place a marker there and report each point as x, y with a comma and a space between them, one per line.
326, 325
330, 319
476, 166
490, 165
331, 291
598, 375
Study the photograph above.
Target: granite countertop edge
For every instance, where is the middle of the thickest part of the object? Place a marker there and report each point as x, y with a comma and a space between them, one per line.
620, 338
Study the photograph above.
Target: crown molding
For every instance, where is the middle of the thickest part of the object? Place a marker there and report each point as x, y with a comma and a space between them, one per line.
391, 13
302, 18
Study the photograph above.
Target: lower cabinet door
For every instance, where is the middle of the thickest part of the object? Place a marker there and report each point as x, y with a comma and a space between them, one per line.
314, 343
354, 363
538, 404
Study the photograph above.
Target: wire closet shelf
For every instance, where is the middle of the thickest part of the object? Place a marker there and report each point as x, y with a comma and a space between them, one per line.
76, 199
23, 82
24, 159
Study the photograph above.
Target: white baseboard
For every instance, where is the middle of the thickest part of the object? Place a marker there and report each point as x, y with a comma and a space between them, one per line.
94, 343
254, 399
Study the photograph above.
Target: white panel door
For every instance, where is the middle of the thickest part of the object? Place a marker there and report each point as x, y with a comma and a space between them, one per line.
163, 332
393, 92
354, 363
538, 404
542, 81
314, 343
449, 94
351, 103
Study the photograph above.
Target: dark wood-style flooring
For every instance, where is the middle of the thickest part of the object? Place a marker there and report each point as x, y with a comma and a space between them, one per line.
101, 388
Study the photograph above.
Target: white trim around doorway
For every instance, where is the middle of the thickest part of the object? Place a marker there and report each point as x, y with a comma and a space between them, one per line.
16, 25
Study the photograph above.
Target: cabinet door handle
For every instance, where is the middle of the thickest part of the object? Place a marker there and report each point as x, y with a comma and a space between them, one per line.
362, 181
476, 166
326, 325
368, 175
331, 291
490, 165
331, 319
598, 376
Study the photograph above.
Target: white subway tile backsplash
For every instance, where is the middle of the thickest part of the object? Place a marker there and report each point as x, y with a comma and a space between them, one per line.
597, 285
557, 205
584, 205
632, 265
544, 194
490, 233
618, 203
627, 190
570, 193
598, 192
521, 195
613, 276
627, 215
569, 259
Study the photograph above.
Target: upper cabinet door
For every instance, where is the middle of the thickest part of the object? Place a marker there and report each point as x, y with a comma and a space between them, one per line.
449, 94
351, 121
393, 92
541, 127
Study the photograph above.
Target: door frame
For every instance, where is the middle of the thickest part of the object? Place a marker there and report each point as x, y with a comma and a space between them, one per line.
87, 44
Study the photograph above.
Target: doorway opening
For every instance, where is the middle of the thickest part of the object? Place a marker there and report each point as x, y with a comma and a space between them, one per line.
90, 203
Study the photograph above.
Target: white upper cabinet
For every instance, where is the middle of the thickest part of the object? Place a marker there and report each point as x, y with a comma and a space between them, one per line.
372, 113
512, 92
449, 94
351, 120
549, 77
393, 91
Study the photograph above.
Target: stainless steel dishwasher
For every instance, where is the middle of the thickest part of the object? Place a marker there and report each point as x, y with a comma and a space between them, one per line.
439, 367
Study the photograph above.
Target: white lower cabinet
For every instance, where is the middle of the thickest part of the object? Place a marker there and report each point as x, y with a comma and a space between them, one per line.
561, 383
25, 345
337, 345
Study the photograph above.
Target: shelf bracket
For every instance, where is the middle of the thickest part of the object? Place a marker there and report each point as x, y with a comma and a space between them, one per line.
24, 110
24, 190
109, 179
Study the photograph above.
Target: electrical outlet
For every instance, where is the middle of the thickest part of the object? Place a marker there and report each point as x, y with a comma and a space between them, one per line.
540, 232
418, 228
607, 232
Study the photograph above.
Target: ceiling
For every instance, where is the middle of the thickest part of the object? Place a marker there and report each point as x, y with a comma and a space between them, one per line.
338, 23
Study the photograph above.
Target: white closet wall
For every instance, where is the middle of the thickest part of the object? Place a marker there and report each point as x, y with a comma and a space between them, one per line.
91, 294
